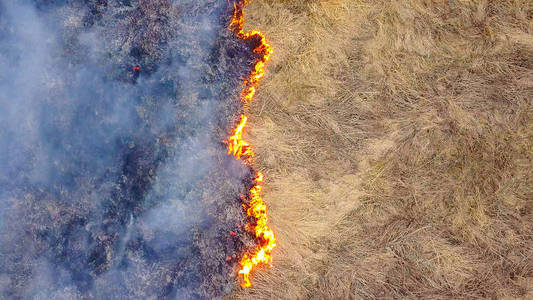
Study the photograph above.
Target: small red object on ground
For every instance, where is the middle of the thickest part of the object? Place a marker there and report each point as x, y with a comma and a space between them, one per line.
136, 68
228, 258
232, 233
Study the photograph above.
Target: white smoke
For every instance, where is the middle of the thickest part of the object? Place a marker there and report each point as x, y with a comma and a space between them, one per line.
114, 183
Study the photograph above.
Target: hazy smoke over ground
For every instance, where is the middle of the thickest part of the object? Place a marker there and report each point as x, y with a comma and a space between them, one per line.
114, 183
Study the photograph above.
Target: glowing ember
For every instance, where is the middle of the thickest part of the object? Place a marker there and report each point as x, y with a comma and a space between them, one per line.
256, 208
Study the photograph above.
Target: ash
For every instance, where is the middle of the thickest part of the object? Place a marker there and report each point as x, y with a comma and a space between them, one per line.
114, 182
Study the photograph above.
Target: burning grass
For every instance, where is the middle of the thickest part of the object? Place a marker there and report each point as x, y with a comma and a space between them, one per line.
397, 138
256, 209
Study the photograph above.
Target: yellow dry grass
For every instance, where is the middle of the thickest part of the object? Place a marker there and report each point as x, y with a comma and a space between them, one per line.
397, 142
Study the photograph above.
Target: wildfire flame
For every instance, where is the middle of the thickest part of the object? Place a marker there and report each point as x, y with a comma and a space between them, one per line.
236, 145
256, 208
237, 26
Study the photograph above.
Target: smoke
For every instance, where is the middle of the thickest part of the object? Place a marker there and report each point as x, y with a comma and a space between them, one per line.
114, 183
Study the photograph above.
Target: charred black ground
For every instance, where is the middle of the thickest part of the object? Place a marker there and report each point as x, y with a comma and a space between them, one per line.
114, 183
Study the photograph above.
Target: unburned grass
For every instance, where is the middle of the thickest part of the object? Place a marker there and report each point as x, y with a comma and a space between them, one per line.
397, 142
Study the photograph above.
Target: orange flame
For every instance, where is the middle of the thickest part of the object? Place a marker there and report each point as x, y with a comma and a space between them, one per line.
236, 145
256, 208
237, 25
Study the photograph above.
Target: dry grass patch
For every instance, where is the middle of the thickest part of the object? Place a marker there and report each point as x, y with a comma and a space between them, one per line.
397, 141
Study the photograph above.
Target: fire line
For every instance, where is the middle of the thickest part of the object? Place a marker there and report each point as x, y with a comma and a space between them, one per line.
256, 209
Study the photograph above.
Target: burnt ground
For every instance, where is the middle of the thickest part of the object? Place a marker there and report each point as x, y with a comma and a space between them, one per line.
114, 181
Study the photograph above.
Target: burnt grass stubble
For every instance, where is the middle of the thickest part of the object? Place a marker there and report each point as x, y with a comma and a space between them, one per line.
87, 222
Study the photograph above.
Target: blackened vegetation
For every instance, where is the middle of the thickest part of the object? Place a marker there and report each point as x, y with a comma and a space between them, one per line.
114, 183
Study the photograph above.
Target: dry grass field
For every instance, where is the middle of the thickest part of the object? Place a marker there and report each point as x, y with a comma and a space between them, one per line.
396, 138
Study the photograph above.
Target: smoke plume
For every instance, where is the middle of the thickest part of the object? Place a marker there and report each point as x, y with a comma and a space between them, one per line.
114, 183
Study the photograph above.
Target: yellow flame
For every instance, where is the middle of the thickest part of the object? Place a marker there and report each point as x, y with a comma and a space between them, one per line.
256, 208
